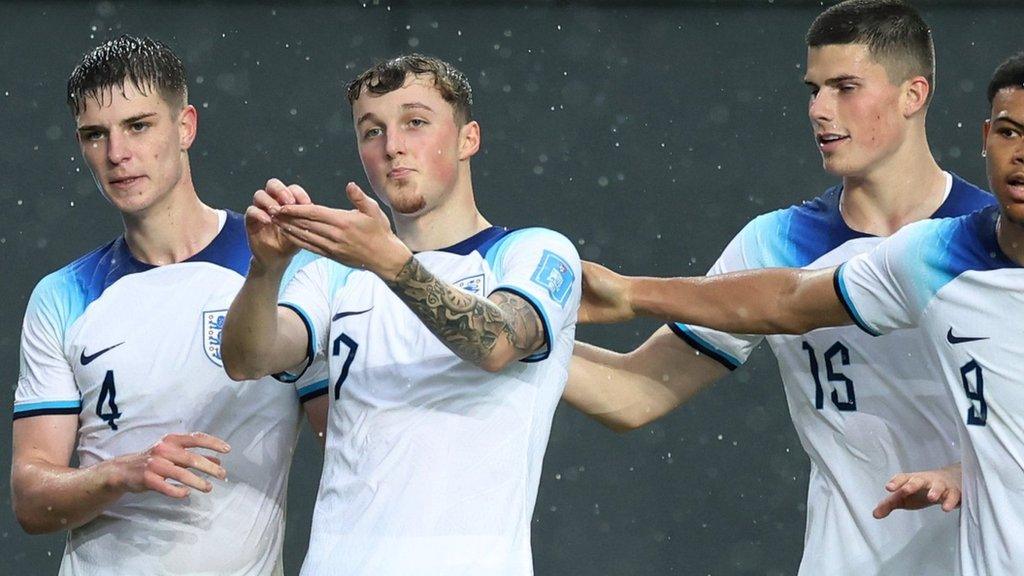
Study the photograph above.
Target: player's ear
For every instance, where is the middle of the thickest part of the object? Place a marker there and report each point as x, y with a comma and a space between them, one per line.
469, 140
915, 95
188, 121
986, 126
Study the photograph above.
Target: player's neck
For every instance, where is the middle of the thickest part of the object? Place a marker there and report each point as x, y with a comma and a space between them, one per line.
172, 230
442, 226
907, 187
1011, 239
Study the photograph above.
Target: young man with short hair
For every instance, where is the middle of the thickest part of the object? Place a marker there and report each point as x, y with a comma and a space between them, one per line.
447, 342
954, 282
120, 357
863, 409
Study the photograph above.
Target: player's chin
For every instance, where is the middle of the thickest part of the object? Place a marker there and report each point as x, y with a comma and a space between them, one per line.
126, 203
1014, 213
408, 203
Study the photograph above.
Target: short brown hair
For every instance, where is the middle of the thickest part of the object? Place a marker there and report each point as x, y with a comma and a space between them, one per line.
146, 63
894, 32
390, 75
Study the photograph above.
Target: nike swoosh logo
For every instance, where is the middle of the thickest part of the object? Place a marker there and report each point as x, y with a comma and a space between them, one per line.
87, 358
341, 315
960, 339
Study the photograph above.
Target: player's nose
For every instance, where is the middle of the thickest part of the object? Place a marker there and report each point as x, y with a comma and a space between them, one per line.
394, 143
821, 107
118, 149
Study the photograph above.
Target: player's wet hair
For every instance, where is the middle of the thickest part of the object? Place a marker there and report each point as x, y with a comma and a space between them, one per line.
390, 75
894, 32
1009, 74
146, 63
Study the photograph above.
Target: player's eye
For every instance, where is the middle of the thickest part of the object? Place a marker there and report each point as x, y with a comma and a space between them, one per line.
92, 136
417, 122
847, 87
138, 126
1007, 132
372, 133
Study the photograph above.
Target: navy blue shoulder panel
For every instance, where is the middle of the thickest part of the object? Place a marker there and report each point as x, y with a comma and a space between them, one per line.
816, 227
963, 198
230, 248
99, 269
479, 242
986, 255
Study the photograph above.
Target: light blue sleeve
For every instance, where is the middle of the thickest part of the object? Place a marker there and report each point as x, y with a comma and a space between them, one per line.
46, 382
543, 267
307, 291
888, 288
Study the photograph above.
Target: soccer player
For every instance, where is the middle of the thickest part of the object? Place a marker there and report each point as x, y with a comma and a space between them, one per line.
120, 357
448, 342
864, 409
957, 282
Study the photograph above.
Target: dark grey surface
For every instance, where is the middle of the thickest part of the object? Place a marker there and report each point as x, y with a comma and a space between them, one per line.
649, 135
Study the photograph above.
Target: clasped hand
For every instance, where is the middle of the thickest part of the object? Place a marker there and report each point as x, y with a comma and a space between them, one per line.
283, 219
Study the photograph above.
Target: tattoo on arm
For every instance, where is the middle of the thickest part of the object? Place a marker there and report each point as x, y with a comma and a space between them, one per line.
469, 325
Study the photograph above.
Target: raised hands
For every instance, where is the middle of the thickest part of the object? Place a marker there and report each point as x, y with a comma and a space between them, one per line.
269, 245
360, 238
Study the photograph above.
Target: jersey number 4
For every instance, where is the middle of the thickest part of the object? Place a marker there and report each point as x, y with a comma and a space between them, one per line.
107, 396
974, 385
834, 376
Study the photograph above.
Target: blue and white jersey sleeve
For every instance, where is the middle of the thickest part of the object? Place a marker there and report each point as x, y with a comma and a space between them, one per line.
886, 289
310, 293
730, 350
543, 267
304, 292
46, 382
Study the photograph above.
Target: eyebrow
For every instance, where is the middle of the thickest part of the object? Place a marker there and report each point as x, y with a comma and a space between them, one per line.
1010, 121
408, 106
126, 121
835, 80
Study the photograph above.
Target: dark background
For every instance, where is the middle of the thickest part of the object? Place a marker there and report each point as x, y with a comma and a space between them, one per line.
647, 133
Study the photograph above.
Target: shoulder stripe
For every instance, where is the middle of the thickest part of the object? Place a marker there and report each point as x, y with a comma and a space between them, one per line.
703, 346
314, 390
28, 409
287, 377
844, 298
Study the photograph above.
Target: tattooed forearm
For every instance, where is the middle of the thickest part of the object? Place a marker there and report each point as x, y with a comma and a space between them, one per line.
471, 326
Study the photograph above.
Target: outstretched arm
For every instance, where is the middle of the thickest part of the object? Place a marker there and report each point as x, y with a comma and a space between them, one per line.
489, 332
627, 391
767, 301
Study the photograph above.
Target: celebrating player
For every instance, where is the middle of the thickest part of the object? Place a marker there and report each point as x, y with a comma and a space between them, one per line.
862, 410
447, 343
120, 357
957, 281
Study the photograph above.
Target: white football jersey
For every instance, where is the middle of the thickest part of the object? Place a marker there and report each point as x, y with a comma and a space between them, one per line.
432, 464
134, 350
864, 408
951, 281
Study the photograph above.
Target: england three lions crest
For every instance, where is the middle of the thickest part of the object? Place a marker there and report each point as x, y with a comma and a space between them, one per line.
213, 325
473, 284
